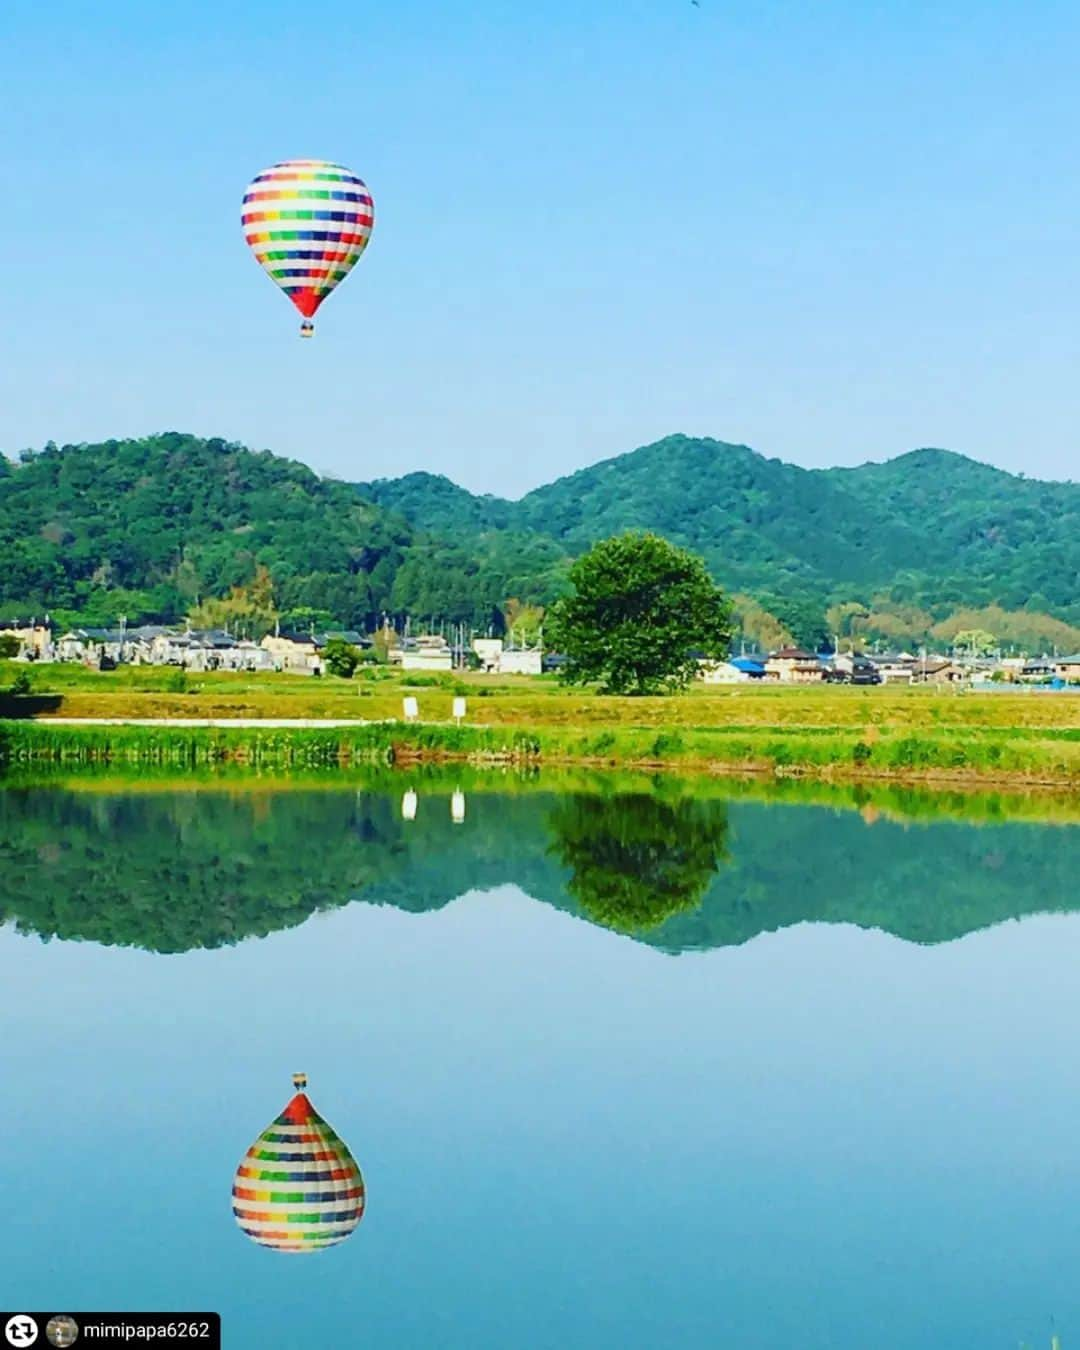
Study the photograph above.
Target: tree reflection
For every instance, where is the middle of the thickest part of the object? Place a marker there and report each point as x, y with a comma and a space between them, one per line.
635, 860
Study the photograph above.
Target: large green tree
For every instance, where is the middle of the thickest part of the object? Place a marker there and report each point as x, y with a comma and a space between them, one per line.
641, 613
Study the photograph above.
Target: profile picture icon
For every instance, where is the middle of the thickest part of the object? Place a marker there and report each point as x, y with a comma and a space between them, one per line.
61, 1330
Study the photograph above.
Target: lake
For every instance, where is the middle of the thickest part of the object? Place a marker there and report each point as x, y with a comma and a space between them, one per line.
631, 1066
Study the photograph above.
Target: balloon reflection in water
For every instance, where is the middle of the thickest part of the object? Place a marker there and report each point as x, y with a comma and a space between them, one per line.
298, 1188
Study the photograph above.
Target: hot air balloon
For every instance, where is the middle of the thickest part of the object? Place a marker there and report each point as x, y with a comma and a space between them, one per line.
307, 221
298, 1188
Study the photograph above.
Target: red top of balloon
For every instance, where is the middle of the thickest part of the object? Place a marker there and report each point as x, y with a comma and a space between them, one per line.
299, 1111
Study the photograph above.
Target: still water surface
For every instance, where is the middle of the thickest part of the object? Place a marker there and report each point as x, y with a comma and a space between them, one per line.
639, 1070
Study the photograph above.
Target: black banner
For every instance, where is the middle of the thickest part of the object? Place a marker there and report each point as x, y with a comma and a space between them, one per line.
110, 1330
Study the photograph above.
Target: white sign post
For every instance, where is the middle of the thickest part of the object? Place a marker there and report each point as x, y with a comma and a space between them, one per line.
459, 710
412, 708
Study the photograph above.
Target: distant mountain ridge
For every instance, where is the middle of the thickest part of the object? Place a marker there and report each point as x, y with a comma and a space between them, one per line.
928, 527
903, 552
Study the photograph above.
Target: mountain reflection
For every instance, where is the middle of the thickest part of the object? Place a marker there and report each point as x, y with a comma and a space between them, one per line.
636, 860
171, 870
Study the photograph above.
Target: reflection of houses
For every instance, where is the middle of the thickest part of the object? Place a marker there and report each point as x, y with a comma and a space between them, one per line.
793, 665
739, 670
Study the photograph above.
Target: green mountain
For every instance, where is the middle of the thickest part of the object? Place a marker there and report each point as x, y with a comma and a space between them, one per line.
149, 527
905, 552
930, 529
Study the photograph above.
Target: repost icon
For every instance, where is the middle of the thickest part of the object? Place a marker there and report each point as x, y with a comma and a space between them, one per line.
21, 1330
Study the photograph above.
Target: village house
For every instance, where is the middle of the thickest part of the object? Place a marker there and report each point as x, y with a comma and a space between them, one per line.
521, 661
170, 648
429, 651
249, 656
852, 668
191, 649
499, 658
349, 635
895, 667
1067, 668
739, 670
938, 670
793, 665
34, 639
92, 646
296, 652
72, 645
138, 643
487, 651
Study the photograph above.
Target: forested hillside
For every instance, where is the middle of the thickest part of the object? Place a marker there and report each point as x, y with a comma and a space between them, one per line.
150, 527
153, 528
905, 552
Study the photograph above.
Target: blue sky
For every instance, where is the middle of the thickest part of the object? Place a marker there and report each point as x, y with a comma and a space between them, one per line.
835, 232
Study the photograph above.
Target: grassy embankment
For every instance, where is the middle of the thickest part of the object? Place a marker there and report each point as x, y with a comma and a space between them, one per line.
913, 734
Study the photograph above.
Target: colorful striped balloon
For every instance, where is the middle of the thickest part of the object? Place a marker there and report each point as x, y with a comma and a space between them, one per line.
307, 221
298, 1188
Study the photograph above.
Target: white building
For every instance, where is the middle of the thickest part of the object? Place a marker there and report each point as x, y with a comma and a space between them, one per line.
896, 669
429, 652
741, 670
34, 639
520, 661
488, 650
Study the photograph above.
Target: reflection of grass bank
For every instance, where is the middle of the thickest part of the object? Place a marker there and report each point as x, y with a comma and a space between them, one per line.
875, 801
942, 754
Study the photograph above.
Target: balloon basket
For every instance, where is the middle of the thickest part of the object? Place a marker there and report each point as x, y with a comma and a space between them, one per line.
307, 329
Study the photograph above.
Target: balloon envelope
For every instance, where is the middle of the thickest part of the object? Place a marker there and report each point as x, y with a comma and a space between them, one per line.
298, 1188
307, 221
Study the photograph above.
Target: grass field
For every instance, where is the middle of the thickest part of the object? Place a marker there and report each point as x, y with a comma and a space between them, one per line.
932, 734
